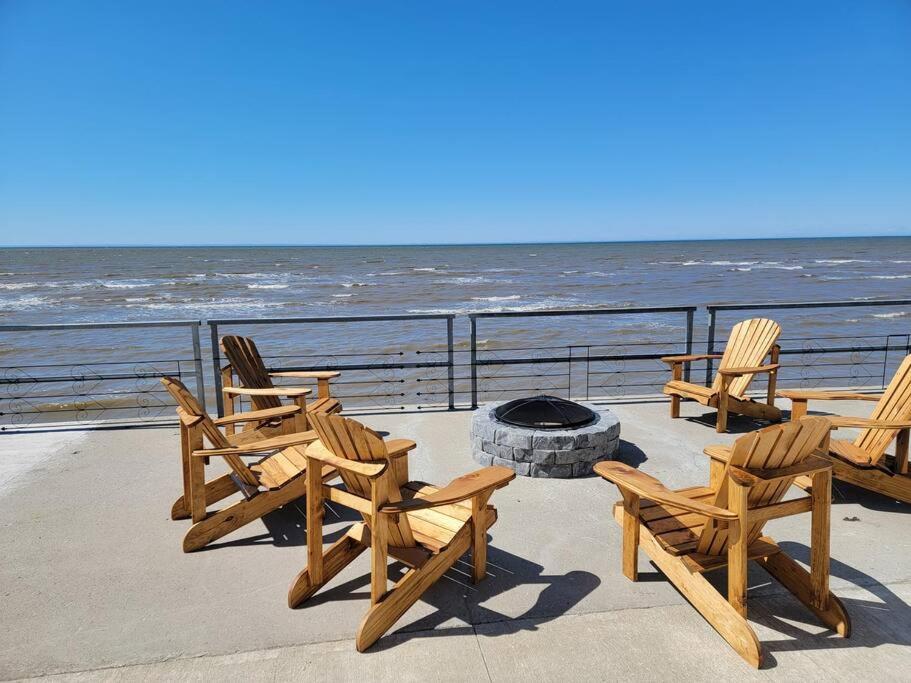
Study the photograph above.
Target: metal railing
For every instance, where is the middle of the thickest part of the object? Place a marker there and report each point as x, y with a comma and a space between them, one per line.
848, 359
544, 362
405, 366
101, 385
85, 372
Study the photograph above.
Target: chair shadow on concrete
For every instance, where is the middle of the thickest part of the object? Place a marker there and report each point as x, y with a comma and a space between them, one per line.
455, 597
737, 424
287, 527
880, 618
630, 454
883, 620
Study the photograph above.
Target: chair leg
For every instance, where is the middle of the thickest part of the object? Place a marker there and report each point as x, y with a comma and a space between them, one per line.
821, 494
222, 522
675, 406
798, 409
630, 535
408, 590
339, 555
901, 451
737, 549
721, 422
216, 490
479, 536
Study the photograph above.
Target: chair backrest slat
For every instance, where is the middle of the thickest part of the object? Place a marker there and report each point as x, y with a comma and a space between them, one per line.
895, 404
774, 447
347, 438
247, 362
749, 344
188, 403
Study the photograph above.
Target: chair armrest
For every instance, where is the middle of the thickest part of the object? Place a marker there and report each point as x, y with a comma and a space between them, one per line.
806, 395
314, 374
737, 372
459, 489
258, 415
644, 486
718, 452
396, 448
866, 423
672, 360
276, 443
275, 391
366, 468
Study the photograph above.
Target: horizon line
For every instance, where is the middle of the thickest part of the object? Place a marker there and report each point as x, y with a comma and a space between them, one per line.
443, 244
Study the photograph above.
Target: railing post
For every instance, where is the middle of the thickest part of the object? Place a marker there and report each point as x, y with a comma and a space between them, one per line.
216, 367
474, 360
688, 343
450, 368
710, 348
197, 364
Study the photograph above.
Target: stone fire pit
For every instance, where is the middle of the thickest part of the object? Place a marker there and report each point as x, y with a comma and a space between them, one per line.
548, 452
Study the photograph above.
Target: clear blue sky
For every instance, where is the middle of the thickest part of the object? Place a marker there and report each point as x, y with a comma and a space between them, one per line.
384, 122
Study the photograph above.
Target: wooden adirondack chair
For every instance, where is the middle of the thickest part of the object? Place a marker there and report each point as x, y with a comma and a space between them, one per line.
255, 381
691, 531
425, 527
864, 461
273, 481
749, 344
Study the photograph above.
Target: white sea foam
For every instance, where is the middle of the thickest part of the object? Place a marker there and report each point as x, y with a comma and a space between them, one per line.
889, 277
357, 284
477, 279
230, 303
20, 285
840, 261
24, 302
764, 266
341, 296
895, 314
542, 305
496, 298
128, 284
268, 286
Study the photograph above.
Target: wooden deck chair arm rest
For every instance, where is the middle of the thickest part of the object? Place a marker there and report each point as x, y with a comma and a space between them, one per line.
258, 415
807, 395
718, 452
396, 448
673, 360
459, 489
276, 391
737, 372
366, 468
838, 422
308, 374
276, 443
639, 483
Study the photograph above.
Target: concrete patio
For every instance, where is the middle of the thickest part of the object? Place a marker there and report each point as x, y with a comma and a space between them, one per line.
95, 586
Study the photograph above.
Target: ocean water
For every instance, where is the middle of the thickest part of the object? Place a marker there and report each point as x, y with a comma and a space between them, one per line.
40, 286
87, 284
